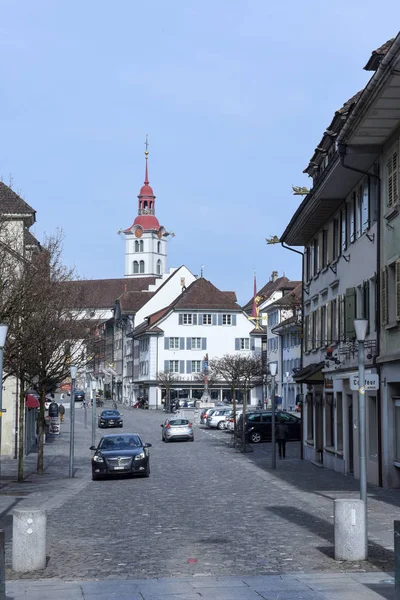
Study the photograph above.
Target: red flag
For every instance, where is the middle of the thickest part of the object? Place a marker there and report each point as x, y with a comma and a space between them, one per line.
254, 309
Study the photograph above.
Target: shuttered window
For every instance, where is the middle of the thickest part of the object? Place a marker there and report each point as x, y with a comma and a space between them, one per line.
392, 179
397, 290
384, 296
328, 323
351, 312
342, 318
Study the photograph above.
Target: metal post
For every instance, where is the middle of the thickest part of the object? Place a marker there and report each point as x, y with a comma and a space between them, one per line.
85, 413
397, 557
72, 430
92, 396
362, 423
2, 565
273, 424
1, 399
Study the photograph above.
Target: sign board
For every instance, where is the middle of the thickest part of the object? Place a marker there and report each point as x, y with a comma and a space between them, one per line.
371, 382
54, 426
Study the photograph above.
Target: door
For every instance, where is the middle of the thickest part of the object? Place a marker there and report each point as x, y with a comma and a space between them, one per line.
266, 426
351, 431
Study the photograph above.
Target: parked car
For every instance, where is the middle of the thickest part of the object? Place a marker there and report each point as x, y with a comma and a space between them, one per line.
118, 454
230, 421
177, 429
259, 425
217, 418
204, 414
110, 418
79, 395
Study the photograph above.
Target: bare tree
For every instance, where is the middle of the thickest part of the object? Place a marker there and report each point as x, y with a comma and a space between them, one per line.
167, 379
250, 377
229, 368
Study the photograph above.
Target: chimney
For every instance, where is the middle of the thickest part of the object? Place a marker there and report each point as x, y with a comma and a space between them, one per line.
274, 276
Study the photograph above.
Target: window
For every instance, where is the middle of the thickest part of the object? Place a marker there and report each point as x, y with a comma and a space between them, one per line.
207, 319
158, 247
141, 246
196, 366
372, 428
144, 345
136, 246
174, 366
159, 267
343, 231
174, 343
329, 421
358, 210
307, 264
141, 265
351, 218
310, 418
335, 240
226, 319
135, 266
324, 257
187, 319
196, 343
392, 180
339, 422
144, 367
364, 207
316, 256
273, 318
244, 344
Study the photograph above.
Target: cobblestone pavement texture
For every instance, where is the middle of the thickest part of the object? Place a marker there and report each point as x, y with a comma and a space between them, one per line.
206, 510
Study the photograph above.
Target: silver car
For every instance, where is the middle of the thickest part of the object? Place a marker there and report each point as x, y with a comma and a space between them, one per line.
217, 418
206, 413
177, 429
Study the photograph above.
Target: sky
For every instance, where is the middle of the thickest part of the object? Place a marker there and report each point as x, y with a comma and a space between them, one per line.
234, 95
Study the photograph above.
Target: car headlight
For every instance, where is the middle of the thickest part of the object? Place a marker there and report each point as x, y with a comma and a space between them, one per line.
139, 456
98, 458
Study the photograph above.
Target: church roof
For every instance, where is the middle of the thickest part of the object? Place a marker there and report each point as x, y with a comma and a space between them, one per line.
147, 222
102, 293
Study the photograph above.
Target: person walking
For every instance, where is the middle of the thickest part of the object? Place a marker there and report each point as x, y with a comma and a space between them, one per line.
61, 412
281, 436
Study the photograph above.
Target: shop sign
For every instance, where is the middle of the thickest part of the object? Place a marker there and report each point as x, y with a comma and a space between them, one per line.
371, 382
54, 426
328, 383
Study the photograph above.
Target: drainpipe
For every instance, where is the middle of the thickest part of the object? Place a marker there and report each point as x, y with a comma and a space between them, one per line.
342, 153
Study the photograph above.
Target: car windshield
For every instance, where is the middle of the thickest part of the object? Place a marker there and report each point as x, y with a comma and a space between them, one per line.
110, 413
177, 422
122, 442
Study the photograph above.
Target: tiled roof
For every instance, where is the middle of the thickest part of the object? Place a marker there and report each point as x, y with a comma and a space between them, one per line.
290, 300
282, 283
133, 301
202, 294
30, 239
102, 293
12, 204
377, 55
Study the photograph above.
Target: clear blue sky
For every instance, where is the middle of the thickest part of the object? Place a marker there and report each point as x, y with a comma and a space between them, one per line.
234, 94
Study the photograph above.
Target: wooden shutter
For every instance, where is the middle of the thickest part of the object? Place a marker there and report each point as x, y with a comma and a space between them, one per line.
204, 343
180, 319
188, 343
342, 318
312, 320
234, 320
318, 334
214, 319
392, 182
351, 311
384, 297
188, 366
166, 343
328, 323
237, 343
398, 289
166, 366
219, 319
181, 366
181, 343
194, 318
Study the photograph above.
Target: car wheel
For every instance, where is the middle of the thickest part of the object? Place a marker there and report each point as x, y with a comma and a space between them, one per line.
220, 425
191, 439
255, 437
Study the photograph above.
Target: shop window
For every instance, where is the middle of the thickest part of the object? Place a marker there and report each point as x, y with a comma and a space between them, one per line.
339, 421
329, 421
372, 428
310, 418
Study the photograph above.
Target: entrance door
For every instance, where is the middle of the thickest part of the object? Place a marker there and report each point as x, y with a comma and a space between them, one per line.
351, 431
319, 427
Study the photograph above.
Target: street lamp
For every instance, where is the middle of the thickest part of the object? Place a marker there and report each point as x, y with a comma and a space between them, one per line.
272, 370
93, 399
72, 425
287, 389
3, 335
361, 326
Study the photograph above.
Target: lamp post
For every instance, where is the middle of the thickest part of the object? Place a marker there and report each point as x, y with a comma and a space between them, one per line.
287, 389
361, 326
93, 399
3, 335
272, 370
72, 423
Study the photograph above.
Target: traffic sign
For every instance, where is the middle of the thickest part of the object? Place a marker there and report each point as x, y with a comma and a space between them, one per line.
371, 383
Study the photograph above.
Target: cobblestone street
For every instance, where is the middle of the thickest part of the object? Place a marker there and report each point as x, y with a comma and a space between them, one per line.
205, 509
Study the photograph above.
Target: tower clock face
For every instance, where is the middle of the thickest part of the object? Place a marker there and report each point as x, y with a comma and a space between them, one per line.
138, 233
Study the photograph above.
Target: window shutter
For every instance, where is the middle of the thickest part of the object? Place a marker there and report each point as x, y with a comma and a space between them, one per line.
304, 334
342, 318
328, 318
188, 343
237, 343
234, 320
252, 344
166, 343
181, 366
188, 366
318, 328
194, 318
398, 290
219, 319
200, 319
180, 319
384, 296
214, 319
182, 343
166, 365
312, 330
204, 343
350, 313
392, 171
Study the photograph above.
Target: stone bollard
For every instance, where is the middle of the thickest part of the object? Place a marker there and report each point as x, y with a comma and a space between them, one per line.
2, 565
29, 540
350, 530
397, 556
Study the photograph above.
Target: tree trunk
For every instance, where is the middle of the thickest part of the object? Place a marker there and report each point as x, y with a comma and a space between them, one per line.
41, 432
234, 405
244, 427
21, 430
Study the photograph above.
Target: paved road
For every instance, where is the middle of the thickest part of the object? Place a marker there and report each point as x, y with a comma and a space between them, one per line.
205, 510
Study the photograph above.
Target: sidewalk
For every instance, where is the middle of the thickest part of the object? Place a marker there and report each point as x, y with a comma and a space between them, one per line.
317, 586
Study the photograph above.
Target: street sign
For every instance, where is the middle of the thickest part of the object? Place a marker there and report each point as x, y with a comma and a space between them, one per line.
371, 383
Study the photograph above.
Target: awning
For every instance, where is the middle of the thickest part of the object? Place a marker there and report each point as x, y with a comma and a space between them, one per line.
31, 401
310, 374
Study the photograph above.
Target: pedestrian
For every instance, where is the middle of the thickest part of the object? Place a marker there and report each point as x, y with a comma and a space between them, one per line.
281, 436
61, 412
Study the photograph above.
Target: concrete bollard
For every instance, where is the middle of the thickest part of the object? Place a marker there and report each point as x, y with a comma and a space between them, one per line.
29, 540
2, 565
397, 556
350, 530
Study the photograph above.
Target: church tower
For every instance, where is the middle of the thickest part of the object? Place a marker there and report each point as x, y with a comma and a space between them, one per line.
146, 239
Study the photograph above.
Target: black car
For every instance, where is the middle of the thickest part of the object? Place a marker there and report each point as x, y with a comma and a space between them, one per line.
118, 454
79, 395
110, 418
258, 425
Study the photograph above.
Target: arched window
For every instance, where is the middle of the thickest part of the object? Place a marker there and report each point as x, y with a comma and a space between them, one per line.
159, 267
142, 266
135, 266
158, 247
145, 204
141, 246
136, 246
